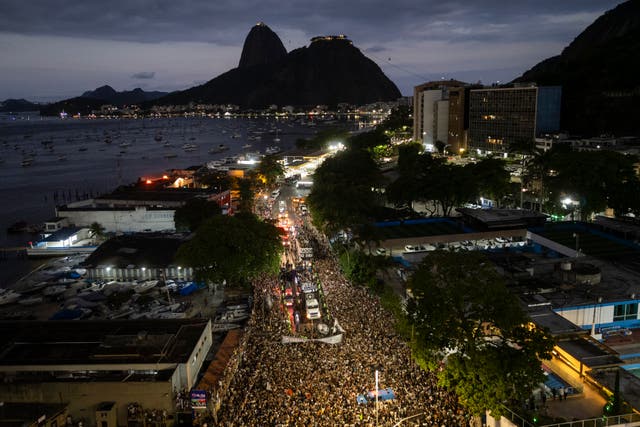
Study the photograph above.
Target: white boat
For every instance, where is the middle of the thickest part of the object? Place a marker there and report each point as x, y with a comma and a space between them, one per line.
246, 146
125, 144
145, 286
30, 301
8, 297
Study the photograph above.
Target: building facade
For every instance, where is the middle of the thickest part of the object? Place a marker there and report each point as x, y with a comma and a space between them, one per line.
439, 114
85, 364
501, 117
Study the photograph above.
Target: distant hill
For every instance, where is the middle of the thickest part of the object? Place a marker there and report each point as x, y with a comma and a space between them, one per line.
94, 99
17, 106
330, 71
129, 97
600, 75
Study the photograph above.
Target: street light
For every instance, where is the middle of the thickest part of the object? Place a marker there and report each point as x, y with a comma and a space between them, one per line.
376, 398
577, 237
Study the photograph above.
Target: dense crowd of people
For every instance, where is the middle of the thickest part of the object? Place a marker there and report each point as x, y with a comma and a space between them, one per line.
316, 384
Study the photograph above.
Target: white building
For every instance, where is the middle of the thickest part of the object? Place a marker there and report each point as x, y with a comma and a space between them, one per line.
119, 219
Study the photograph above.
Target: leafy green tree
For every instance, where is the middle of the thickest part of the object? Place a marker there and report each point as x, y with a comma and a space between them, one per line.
398, 120
343, 193
269, 170
193, 213
441, 147
368, 140
590, 177
405, 189
96, 231
246, 193
491, 177
471, 329
625, 198
236, 249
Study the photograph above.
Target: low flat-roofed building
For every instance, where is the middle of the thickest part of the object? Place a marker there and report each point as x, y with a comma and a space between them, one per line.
143, 256
501, 219
87, 363
133, 209
65, 241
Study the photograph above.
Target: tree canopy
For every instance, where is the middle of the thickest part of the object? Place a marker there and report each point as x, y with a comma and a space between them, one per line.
269, 170
343, 192
193, 213
596, 179
465, 317
232, 248
426, 178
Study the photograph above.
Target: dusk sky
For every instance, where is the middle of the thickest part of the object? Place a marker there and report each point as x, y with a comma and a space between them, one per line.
58, 49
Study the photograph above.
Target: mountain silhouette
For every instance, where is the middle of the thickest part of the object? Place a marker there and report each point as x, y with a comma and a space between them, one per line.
599, 74
262, 46
329, 71
94, 99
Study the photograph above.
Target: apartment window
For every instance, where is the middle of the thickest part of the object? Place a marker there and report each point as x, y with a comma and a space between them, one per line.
625, 312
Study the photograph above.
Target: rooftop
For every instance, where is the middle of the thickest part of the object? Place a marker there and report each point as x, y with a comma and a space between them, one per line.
97, 342
543, 281
149, 250
556, 325
502, 218
589, 353
62, 234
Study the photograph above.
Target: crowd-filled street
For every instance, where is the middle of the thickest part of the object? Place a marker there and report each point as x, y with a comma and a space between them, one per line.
317, 384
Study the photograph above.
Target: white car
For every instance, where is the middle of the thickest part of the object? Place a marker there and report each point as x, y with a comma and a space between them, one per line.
381, 251
414, 248
313, 309
282, 206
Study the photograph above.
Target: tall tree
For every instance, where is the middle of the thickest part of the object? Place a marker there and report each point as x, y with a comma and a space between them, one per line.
235, 249
466, 318
96, 231
269, 170
344, 190
491, 177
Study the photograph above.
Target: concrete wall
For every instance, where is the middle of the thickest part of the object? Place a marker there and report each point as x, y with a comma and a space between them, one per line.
136, 220
442, 121
196, 359
430, 97
584, 316
83, 397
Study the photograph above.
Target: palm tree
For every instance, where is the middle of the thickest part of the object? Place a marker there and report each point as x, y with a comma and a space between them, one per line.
96, 231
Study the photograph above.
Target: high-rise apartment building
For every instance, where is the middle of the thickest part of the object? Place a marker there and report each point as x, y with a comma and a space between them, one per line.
502, 116
433, 113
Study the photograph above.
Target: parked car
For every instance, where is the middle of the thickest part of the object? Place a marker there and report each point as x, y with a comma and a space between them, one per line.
381, 251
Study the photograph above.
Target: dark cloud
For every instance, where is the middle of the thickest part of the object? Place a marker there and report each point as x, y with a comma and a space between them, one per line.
366, 21
375, 49
409, 39
144, 75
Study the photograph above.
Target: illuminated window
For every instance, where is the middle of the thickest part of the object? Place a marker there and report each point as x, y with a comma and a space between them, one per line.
625, 312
